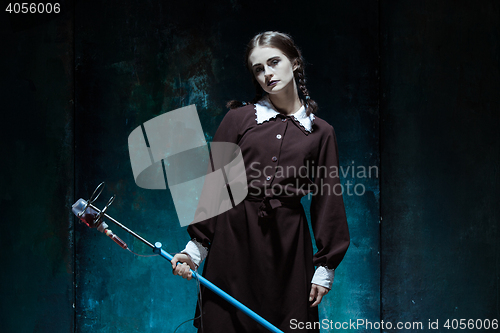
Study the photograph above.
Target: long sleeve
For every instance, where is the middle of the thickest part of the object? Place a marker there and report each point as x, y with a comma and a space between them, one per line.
203, 232
196, 252
328, 217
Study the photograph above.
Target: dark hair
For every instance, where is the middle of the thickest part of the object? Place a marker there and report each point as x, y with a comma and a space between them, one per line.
285, 44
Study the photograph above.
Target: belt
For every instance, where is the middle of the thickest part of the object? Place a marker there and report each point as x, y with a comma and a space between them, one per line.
268, 206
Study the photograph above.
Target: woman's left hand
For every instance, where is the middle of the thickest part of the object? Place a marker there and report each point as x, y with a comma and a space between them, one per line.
317, 293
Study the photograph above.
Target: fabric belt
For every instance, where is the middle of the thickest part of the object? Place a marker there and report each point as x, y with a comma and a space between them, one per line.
268, 206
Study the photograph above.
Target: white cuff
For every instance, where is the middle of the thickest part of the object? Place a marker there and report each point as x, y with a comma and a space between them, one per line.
196, 251
323, 277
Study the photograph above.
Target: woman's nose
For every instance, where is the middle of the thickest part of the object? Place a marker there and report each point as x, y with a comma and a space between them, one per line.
267, 71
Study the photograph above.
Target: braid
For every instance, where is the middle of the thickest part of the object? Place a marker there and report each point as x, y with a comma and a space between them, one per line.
233, 104
312, 106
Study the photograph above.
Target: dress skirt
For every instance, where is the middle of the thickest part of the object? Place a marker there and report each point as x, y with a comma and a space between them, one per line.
263, 262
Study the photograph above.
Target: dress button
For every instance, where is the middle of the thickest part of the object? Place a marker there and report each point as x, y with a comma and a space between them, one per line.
284, 119
274, 158
278, 136
268, 178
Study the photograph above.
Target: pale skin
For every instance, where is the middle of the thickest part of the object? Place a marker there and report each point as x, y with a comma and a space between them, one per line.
275, 74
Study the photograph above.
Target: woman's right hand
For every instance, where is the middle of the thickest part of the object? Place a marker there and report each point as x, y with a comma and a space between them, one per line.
183, 267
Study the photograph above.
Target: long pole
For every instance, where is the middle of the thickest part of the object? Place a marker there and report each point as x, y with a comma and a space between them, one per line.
158, 250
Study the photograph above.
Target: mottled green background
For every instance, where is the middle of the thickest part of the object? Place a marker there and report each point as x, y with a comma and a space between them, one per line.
410, 87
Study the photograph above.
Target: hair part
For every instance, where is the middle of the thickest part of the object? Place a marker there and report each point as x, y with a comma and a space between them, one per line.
285, 44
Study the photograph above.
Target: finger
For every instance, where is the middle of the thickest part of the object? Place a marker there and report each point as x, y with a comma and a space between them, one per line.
174, 262
188, 274
185, 269
178, 269
318, 300
313, 293
182, 268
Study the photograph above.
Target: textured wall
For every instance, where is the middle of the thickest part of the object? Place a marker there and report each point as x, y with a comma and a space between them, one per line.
37, 174
440, 148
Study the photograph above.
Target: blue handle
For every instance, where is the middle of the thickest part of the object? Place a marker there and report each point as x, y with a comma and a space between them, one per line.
221, 293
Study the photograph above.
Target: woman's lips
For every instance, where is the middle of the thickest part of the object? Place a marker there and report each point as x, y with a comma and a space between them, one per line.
272, 83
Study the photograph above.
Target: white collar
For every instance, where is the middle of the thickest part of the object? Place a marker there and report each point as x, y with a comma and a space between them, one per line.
264, 111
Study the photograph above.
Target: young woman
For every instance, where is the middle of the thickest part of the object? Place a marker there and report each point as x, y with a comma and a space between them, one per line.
260, 252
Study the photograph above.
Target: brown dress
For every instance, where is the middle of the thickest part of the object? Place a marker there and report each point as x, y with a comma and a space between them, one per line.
260, 252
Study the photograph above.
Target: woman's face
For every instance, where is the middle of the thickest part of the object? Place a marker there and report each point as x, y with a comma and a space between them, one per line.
272, 69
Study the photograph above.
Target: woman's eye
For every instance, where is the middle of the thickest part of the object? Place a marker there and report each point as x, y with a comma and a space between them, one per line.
275, 62
258, 69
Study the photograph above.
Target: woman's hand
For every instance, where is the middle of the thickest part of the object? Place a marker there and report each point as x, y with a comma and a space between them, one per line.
182, 269
317, 293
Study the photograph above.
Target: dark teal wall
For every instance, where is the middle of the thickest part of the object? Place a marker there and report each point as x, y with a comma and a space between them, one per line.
440, 150
37, 173
410, 88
